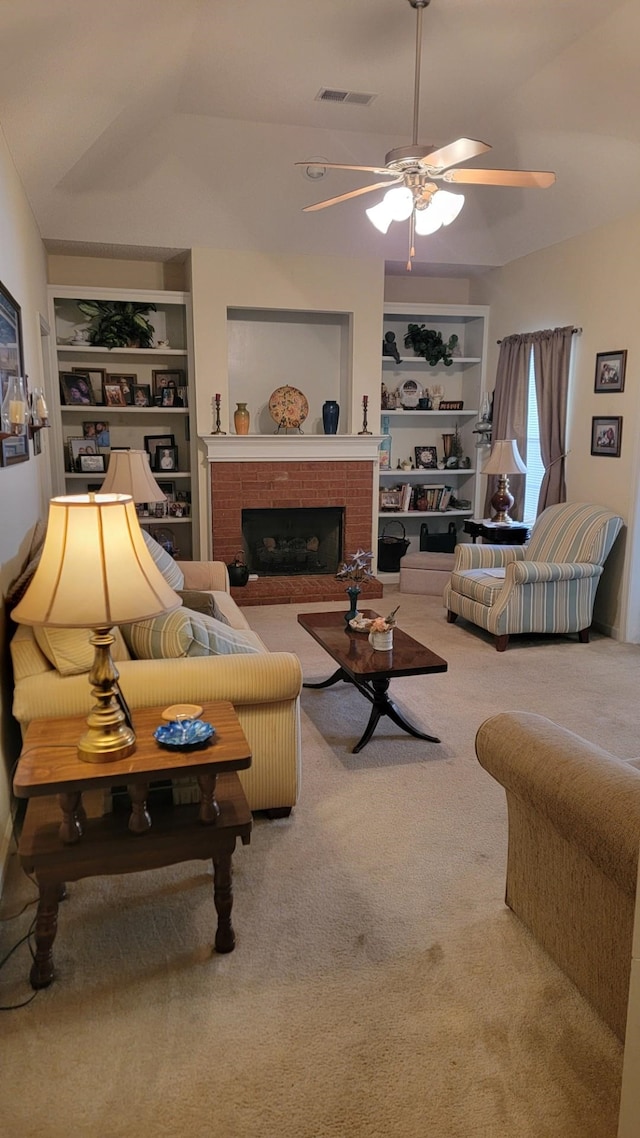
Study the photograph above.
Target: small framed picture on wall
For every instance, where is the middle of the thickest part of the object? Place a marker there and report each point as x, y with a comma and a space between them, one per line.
606, 436
610, 369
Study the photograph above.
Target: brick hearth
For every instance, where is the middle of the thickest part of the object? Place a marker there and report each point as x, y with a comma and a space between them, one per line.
267, 484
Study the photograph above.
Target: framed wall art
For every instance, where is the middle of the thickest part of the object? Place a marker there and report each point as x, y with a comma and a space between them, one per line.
14, 448
606, 436
426, 458
75, 389
11, 349
610, 369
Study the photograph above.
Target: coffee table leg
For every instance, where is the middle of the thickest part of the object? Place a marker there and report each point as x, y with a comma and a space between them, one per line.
223, 899
376, 691
339, 675
41, 974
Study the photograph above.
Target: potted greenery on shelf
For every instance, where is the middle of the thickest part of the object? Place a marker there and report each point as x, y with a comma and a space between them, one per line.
118, 323
430, 344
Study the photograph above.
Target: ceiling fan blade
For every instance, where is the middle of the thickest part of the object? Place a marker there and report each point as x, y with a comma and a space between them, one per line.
540, 178
459, 151
351, 194
343, 166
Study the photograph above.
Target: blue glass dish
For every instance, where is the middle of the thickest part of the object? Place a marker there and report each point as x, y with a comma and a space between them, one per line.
183, 733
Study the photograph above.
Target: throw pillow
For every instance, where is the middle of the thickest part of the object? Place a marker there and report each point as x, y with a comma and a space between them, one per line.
70, 651
185, 633
198, 602
171, 572
18, 588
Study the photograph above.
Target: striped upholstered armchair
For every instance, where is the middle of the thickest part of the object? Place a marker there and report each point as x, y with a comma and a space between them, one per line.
548, 585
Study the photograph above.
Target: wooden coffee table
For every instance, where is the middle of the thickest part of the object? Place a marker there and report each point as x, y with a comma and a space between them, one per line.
368, 670
67, 835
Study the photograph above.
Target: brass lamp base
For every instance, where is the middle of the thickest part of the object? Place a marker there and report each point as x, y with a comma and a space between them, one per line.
502, 501
108, 737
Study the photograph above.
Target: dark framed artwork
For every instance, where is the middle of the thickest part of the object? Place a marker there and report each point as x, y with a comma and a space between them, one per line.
610, 369
96, 377
426, 458
11, 347
606, 436
152, 442
76, 390
127, 383
164, 378
91, 464
114, 395
141, 393
14, 448
81, 448
166, 458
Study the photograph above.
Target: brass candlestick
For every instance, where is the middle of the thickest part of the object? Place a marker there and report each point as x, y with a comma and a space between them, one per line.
365, 406
216, 402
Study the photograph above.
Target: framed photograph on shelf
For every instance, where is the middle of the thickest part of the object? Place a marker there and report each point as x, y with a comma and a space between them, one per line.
76, 390
91, 464
98, 433
606, 436
79, 448
14, 448
96, 377
152, 442
164, 378
390, 500
610, 369
168, 488
114, 396
11, 349
127, 383
141, 393
170, 396
426, 458
166, 458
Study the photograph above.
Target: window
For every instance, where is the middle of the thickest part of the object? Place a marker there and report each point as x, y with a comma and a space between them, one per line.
535, 468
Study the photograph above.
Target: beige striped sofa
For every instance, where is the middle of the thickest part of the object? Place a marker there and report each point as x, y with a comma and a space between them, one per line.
572, 864
263, 686
548, 585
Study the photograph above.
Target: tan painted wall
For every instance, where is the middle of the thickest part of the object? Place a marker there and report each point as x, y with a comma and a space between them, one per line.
591, 281
414, 289
112, 272
24, 488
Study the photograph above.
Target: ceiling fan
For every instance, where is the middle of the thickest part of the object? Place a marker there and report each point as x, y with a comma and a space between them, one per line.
415, 170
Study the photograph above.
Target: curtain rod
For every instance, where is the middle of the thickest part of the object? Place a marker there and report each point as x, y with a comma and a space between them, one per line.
574, 332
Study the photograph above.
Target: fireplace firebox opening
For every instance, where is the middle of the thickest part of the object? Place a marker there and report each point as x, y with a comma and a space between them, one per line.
305, 541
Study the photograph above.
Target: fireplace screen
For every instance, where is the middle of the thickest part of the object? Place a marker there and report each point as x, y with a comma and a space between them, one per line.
299, 541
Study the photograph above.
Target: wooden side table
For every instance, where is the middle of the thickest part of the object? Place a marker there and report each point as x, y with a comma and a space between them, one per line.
66, 834
517, 533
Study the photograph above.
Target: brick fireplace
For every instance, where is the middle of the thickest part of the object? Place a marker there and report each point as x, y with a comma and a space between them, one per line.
290, 472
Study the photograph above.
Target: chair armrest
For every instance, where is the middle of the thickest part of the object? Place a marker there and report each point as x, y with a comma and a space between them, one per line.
268, 677
530, 572
469, 556
590, 797
205, 575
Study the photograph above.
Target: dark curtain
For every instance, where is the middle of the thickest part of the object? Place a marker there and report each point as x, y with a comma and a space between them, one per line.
552, 357
510, 412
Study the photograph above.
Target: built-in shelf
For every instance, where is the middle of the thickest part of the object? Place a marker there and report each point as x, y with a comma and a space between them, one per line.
90, 349
425, 513
400, 475
402, 414
115, 409
419, 361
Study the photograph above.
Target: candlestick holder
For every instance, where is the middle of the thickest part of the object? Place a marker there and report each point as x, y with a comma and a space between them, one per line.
365, 407
216, 403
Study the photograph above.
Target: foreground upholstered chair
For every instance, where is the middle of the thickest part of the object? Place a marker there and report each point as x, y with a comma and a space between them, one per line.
574, 835
548, 585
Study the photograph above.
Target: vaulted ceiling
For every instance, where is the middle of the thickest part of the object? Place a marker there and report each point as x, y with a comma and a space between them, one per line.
148, 123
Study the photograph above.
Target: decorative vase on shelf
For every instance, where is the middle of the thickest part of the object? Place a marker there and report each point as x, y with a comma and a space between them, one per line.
330, 416
353, 592
241, 419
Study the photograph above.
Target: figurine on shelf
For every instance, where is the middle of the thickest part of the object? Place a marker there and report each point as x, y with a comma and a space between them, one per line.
390, 348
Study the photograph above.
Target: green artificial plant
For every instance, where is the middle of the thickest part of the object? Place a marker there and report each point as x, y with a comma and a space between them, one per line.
430, 344
118, 323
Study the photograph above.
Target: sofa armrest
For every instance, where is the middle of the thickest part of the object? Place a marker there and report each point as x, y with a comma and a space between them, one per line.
469, 556
205, 575
530, 572
589, 796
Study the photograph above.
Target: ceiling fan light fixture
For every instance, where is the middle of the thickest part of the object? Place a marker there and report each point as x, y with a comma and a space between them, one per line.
447, 205
399, 203
379, 216
426, 221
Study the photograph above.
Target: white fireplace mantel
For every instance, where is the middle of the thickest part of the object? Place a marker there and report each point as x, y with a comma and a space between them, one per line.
292, 448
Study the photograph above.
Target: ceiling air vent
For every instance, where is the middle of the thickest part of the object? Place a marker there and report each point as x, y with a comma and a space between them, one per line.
331, 95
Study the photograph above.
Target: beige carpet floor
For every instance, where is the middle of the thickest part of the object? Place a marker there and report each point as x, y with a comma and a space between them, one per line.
379, 986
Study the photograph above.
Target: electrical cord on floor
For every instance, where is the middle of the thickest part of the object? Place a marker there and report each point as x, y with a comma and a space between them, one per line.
26, 938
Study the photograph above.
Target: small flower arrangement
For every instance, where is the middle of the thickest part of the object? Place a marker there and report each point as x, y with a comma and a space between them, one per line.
384, 623
357, 569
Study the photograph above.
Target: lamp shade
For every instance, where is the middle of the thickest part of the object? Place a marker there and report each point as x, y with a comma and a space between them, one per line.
505, 458
95, 570
129, 472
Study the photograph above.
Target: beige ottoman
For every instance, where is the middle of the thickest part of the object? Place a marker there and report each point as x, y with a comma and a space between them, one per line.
425, 572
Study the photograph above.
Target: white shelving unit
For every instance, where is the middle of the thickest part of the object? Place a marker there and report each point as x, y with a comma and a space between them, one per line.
463, 381
128, 425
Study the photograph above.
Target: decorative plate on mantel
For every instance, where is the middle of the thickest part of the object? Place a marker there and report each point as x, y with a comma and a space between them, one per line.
288, 407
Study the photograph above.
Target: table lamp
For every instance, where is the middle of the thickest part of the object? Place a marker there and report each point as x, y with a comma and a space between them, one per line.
129, 472
96, 572
503, 461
